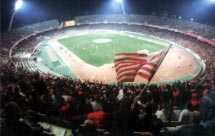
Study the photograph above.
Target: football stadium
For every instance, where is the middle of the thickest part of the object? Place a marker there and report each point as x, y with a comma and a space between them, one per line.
107, 68
95, 50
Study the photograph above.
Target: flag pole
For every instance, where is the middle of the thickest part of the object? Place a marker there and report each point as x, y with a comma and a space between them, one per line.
141, 92
160, 62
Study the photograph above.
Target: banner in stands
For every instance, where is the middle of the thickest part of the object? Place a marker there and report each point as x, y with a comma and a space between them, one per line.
69, 23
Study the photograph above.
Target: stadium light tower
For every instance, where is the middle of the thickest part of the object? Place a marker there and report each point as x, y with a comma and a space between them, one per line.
18, 5
119, 1
121, 4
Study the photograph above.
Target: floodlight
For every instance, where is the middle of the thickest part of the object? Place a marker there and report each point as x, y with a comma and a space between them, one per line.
211, 1
121, 5
18, 4
119, 1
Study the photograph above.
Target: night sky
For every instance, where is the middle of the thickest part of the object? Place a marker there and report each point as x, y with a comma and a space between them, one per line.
40, 10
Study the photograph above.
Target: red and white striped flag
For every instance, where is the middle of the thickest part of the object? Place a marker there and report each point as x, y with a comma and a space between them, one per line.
146, 72
127, 65
136, 67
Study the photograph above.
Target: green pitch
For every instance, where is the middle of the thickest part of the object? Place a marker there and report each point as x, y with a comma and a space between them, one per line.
96, 48
99, 48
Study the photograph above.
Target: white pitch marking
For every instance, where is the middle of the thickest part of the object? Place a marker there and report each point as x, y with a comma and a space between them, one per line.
102, 40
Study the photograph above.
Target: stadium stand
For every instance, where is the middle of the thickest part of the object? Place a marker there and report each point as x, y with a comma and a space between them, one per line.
166, 22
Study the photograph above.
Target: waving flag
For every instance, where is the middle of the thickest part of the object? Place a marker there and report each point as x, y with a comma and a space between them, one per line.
146, 72
137, 67
127, 65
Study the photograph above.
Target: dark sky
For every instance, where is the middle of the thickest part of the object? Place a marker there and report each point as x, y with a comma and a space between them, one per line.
40, 10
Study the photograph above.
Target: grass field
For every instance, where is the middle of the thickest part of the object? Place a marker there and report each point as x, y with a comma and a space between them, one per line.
89, 54
99, 48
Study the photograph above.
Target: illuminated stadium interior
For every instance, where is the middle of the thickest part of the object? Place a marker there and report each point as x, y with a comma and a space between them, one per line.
107, 68
98, 48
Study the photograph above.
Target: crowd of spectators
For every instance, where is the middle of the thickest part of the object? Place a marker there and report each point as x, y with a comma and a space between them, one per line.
94, 106
98, 109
